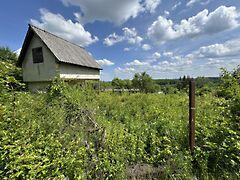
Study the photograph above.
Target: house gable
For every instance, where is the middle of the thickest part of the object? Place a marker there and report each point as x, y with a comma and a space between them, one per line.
45, 55
38, 72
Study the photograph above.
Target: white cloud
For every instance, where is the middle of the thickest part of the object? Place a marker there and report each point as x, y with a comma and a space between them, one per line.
114, 11
174, 63
204, 23
175, 6
151, 5
166, 13
67, 29
192, 2
162, 30
156, 55
126, 49
205, 61
105, 62
129, 34
170, 66
136, 63
221, 19
229, 48
112, 39
168, 54
124, 70
146, 47
214, 62
107, 10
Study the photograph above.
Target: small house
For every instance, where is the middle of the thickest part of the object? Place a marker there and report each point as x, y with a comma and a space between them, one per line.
45, 56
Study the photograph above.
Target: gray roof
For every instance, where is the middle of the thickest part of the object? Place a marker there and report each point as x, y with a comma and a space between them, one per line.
63, 50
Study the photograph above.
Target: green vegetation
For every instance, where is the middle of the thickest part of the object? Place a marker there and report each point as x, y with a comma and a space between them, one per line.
78, 133
10, 75
145, 83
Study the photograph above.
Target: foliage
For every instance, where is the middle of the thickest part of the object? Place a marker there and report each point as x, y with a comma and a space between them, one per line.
10, 75
204, 84
7, 55
143, 82
121, 84
77, 133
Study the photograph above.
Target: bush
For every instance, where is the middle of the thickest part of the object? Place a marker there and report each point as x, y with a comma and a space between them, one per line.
10, 75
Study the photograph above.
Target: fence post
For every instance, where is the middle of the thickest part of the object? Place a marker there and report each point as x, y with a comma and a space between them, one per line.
191, 115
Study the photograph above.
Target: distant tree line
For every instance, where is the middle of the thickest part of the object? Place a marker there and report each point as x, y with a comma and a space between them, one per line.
144, 83
141, 81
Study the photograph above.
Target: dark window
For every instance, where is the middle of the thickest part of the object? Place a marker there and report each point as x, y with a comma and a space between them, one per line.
37, 55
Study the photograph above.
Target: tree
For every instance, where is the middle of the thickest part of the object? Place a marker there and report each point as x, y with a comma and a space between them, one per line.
10, 75
128, 84
7, 55
118, 83
143, 82
183, 83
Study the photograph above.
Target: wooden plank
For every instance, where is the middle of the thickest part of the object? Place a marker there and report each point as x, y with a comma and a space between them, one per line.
192, 115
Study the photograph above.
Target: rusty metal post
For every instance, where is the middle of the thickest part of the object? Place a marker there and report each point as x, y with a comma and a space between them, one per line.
191, 114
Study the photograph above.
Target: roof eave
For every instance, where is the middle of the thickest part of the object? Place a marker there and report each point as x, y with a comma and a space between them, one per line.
62, 62
24, 46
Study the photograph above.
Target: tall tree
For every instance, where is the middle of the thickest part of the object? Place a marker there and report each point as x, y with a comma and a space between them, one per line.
143, 82
7, 55
118, 83
10, 75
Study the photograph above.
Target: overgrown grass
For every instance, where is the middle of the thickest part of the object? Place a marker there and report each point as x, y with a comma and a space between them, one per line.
79, 133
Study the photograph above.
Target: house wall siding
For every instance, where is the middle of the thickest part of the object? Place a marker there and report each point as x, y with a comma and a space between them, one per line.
68, 71
38, 72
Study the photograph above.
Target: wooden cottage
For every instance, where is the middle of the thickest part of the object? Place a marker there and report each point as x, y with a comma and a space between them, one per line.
45, 56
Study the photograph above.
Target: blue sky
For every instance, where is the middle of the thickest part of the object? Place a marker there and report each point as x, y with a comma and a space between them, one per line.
165, 38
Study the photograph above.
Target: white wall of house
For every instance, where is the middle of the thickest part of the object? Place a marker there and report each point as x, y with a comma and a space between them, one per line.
68, 71
39, 72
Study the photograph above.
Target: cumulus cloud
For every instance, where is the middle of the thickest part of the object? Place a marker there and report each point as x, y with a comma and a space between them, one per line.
129, 34
156, 55
112, 39
206, 59
166, 13
124, 70
168, 54
229, 48
175, 6
137, 63
114, 11
192, 2
204, 23
105, 62
162, 30
67, 29
214, 62
155, 65
126, 49
146, 47
107, 10
151, 5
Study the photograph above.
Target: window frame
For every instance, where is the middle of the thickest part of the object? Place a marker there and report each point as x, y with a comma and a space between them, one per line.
37, 55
